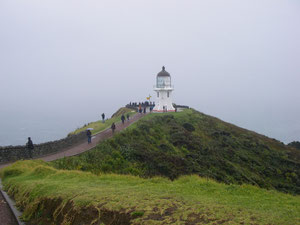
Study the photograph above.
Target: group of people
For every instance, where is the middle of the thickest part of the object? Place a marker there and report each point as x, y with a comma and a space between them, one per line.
123, 118
113, 126
144, 109
146, 103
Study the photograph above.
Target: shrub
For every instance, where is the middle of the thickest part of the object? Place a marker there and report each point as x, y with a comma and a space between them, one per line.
189, 127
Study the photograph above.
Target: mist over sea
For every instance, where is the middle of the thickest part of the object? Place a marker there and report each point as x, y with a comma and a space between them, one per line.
43, 126
16, 127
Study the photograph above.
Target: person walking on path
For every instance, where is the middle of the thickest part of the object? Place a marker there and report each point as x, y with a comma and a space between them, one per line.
140, 108
89, 135
103, 117
30, 147
127, 116
123, 118
113, 127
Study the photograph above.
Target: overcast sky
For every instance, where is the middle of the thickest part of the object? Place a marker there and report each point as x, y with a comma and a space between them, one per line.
74, 59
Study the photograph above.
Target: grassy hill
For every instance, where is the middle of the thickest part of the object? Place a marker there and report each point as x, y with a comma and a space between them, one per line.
98, 126
190, 142
51, 196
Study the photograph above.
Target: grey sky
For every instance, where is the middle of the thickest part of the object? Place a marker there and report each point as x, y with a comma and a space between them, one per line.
71, 60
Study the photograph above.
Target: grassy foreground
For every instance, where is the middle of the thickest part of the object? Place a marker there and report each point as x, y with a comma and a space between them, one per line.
98, 126
51, 196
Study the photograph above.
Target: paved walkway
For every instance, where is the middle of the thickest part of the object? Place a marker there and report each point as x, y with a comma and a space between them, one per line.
6, 216
82, 147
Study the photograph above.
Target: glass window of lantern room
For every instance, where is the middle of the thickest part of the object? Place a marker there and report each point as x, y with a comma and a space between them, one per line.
160, 82
167, 81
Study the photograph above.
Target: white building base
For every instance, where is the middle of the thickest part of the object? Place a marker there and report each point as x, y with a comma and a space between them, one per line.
159, 109
164, 102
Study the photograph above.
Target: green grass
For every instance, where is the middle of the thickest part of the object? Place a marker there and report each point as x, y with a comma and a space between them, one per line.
190, 142
65, 196
98, 126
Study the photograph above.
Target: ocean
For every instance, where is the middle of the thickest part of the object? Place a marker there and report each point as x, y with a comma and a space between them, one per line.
16, 127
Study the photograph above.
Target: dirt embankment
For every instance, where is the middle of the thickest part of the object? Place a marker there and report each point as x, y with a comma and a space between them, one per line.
55, 211
49, 211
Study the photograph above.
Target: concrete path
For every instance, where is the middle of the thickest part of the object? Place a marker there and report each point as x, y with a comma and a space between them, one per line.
82, 147
6, 215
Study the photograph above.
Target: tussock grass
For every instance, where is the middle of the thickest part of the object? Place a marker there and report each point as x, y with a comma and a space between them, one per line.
189, 199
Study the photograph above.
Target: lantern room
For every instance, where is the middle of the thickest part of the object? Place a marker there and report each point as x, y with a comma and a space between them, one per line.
163, 79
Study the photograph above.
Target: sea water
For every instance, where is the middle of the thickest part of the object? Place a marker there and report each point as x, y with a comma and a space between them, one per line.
17, 126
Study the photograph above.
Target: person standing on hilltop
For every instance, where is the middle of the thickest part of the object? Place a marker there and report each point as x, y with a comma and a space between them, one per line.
123, 118
103, 117
89, 135
30, 147
113, 127
127, 116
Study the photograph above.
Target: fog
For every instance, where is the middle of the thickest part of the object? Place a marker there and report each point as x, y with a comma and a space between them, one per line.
63, 63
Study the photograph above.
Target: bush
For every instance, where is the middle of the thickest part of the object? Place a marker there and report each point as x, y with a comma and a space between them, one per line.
189, 127
295, 144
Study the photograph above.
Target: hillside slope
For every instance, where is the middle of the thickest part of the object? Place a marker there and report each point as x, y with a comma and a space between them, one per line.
190, 142
50, 196
99, 126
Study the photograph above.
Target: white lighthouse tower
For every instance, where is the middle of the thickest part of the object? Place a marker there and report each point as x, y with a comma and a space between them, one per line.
163, 90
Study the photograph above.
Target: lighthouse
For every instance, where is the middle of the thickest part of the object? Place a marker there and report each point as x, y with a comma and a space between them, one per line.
163, 89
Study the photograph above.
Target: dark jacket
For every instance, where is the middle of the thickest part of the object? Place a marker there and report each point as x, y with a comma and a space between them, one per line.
88, 133
29, 144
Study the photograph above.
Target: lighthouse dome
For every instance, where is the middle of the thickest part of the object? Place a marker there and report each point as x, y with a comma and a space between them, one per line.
163, 79
163, 73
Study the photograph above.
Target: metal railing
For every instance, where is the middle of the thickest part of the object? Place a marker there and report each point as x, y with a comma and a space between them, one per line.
163, 87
